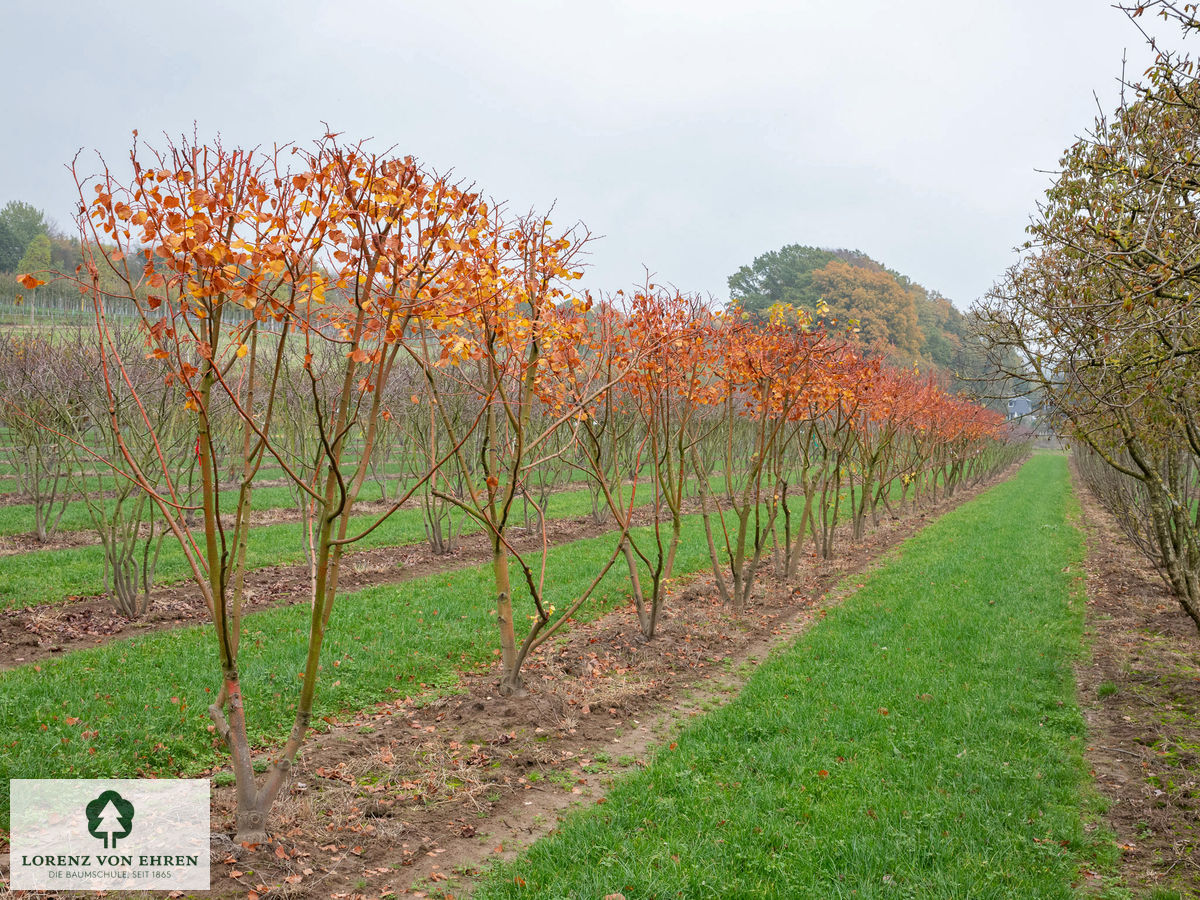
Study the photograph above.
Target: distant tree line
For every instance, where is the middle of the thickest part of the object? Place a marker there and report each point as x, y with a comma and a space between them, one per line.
848, 289
30, 242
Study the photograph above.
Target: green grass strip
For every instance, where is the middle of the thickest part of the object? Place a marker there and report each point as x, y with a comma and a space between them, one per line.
970, 785
42, 577
143, 702
18, 518
50, 576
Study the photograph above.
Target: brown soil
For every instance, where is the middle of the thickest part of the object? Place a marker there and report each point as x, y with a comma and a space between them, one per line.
1140, 693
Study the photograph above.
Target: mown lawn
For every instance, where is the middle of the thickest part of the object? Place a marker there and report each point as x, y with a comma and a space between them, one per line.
922, 741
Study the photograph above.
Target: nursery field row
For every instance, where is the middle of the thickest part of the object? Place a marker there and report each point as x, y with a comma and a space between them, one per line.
100, 481
41, 577
18, 518
77, 716
50, 576
921, 741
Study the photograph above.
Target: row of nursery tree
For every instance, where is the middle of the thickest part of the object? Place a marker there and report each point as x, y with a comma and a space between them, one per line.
318, 311
1101, 316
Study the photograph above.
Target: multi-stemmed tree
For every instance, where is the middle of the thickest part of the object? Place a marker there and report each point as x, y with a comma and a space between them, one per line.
259, 275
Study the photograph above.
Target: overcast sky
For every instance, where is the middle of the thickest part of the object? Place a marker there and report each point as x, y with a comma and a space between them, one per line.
692, 135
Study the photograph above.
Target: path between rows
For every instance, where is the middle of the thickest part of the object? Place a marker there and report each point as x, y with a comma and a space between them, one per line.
922, 741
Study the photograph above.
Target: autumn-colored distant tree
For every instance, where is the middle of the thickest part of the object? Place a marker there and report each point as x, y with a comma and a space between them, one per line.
886, 313
790, 276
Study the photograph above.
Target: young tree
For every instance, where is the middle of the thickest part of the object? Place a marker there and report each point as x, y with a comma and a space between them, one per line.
514, 340
37, 444
655, 411
122, 514
254, 273
21, 222
762, 376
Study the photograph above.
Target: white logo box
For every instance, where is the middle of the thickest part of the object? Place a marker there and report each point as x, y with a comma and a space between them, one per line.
109, 834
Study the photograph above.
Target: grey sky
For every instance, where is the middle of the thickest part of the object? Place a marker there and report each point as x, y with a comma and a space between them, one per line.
693, 135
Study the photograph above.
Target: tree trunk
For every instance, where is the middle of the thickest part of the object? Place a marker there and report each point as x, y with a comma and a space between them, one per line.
510, 675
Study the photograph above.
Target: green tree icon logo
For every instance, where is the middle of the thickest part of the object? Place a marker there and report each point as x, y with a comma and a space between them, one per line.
110, 816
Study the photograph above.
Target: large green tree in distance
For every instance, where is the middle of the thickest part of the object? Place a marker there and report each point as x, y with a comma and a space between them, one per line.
20, 223
10, 248
785, 276
889, 308
36, 258
778, 276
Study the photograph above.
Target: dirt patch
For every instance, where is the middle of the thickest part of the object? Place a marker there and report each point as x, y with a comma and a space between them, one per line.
1139, 689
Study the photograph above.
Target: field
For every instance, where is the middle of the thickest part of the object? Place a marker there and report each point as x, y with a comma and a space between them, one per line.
450, 579
907, 731
564, 517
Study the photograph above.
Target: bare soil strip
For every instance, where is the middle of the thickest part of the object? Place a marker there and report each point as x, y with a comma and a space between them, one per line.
1139, 688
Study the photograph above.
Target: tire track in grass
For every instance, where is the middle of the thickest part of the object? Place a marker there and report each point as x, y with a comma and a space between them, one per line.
923, 741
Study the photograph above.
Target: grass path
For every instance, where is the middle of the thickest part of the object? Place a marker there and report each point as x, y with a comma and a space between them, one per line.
922, 741
50, 576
